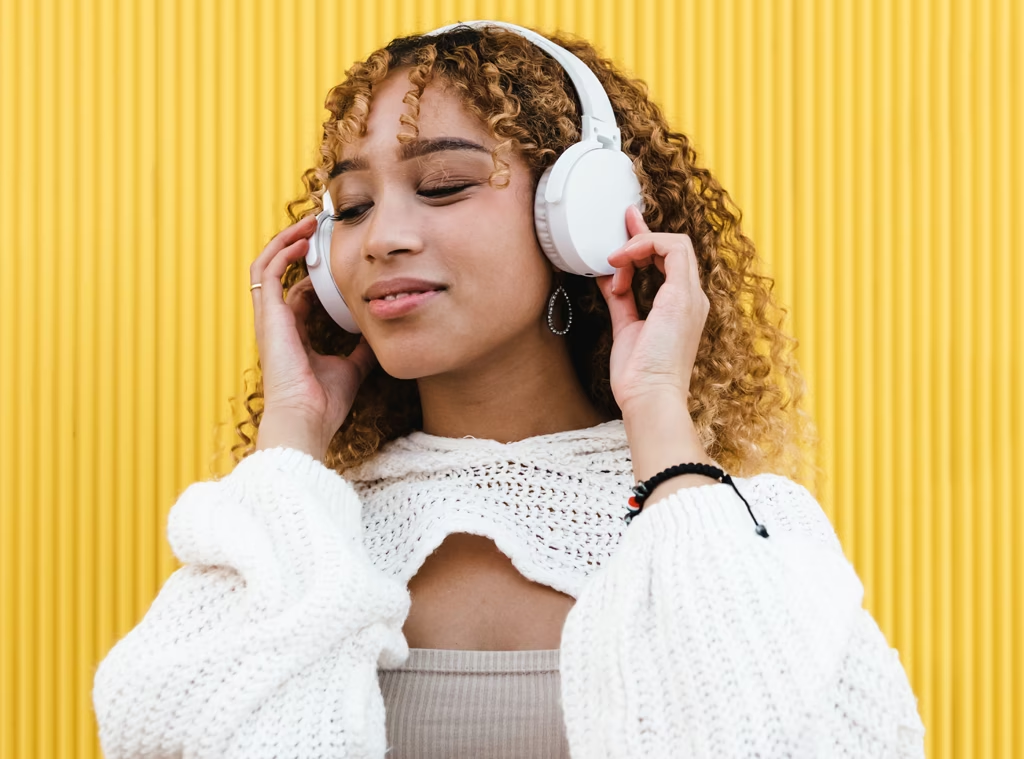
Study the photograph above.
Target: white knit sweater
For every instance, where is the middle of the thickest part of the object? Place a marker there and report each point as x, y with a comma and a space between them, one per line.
691, 636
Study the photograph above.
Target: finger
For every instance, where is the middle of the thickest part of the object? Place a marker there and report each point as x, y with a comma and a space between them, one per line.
698, 285
655, 260
257, 313
299, 302
646, 249
635, 223
271, 294
681, 267
623, 279
624, 275
272, 285
687, 274
621, 306
692, 261
299, 291
633, 251
302, 228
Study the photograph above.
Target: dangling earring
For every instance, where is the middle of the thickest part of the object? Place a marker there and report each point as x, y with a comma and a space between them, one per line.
551, 309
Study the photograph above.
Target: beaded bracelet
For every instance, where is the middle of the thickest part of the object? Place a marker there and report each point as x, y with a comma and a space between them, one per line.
644, 489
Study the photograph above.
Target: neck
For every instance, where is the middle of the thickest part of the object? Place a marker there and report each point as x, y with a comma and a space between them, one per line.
509, 399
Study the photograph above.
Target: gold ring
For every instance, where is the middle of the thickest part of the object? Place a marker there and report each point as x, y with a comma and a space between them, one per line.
255, 286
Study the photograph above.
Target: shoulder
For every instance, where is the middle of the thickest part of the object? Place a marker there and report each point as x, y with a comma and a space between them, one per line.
787, 506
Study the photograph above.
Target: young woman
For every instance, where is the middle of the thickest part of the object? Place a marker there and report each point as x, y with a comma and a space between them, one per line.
427, 550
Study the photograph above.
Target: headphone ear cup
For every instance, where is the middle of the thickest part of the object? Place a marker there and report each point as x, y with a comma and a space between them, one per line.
586, 220
542, 222
318, 263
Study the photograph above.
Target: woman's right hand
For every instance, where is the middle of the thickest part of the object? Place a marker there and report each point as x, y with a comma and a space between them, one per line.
306, 395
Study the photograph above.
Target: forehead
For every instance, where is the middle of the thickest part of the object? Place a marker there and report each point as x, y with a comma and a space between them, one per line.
441, 114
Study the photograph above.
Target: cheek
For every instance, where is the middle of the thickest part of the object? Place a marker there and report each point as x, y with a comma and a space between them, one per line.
507, 281
344, 252
507, 216
504, 236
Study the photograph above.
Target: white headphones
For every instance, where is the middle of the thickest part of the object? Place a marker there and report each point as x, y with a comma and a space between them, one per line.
580, 206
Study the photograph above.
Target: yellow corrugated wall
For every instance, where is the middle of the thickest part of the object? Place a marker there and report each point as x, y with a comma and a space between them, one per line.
146, 153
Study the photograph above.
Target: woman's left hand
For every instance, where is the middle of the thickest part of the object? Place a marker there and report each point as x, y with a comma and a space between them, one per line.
654, 356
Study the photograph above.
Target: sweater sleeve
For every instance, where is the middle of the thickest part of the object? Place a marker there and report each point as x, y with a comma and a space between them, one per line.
700, 638
267, 641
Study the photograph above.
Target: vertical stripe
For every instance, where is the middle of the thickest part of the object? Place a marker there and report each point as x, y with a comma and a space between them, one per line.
1013, 400
42, 302
902, 491
1005, 657
922, 260
28, 656
961, 306
943, 408
9, 558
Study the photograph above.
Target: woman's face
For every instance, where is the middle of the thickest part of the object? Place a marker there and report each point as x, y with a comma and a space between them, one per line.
432, 215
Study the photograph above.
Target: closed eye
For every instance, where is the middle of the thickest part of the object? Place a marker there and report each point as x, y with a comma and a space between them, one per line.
347, 214
344, 215
440, 192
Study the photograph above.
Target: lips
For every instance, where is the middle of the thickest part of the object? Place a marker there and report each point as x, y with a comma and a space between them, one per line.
406, 294
383, 288
396, 307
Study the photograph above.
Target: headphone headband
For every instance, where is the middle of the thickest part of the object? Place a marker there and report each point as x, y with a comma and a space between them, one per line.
598, 117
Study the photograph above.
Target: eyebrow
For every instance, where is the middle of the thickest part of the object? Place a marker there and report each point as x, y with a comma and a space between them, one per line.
410, 150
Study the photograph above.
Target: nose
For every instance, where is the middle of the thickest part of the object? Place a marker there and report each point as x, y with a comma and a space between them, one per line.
390, 228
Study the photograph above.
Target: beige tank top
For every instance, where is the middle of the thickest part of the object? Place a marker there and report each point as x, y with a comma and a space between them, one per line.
444, 703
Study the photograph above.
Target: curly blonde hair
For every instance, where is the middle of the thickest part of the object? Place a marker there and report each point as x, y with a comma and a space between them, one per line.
747, 415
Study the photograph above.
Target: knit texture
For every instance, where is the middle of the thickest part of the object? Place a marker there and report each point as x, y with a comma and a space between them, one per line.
691, 635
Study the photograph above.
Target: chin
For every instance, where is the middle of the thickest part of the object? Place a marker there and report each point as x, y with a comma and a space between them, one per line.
407, 364
418, 351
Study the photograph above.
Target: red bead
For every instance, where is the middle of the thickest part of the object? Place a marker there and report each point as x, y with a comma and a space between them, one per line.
633, 503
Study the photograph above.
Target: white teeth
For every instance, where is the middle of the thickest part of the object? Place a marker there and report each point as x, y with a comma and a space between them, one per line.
402, 295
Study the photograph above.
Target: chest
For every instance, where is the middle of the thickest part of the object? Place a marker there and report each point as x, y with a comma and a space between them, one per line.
468, 595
